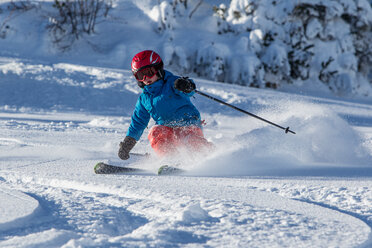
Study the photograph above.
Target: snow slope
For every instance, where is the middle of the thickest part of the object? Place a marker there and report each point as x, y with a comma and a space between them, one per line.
62, 112
261, 188
15, 208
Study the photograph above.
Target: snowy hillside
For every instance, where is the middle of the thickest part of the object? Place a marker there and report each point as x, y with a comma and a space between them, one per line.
62, 112
304, 45
262, 188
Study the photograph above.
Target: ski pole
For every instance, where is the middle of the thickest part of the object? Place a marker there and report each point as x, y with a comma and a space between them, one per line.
245, 112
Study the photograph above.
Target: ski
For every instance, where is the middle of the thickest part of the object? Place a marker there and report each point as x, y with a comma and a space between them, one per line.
130, 166
169, 170
117, 166
103, 168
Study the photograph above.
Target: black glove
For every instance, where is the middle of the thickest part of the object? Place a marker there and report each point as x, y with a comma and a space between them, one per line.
125, 147
184, 84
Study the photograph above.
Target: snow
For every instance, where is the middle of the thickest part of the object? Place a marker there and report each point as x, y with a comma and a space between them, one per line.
261, 188
16, 208
60, 114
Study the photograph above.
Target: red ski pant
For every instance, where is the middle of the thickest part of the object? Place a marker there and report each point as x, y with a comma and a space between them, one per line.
165, 140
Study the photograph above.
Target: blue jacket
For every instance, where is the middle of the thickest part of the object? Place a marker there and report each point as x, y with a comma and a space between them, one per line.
166, 105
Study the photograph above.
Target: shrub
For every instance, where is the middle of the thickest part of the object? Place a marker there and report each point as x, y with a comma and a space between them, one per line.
76, 18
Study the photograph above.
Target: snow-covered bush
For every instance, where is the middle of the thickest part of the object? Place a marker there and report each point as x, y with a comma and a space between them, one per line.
172, 14
305, 42
264, 43
75, 18
211, 61
338, 37
310, 44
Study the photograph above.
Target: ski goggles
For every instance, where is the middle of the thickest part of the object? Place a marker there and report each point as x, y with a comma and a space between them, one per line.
148, 72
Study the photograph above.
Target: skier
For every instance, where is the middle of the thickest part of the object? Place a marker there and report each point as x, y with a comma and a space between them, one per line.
165, 98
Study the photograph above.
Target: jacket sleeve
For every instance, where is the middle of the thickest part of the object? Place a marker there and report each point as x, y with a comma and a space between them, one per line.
140, 120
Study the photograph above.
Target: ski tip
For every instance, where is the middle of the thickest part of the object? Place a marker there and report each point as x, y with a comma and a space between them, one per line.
169, 170
97, 168
162, 168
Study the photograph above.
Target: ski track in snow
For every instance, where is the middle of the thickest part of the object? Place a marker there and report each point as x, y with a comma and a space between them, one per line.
79, 208
130, 211
47, 157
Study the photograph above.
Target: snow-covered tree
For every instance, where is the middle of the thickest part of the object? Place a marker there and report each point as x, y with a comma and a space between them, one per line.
274, 43
305, 42
257, 43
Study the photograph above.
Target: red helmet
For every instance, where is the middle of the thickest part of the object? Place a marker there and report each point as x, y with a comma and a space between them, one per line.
147, 58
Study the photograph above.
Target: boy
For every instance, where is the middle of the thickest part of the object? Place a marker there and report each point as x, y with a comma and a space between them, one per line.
165, 98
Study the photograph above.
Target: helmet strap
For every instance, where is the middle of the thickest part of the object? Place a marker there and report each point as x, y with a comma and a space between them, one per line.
141, 84
161, 73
